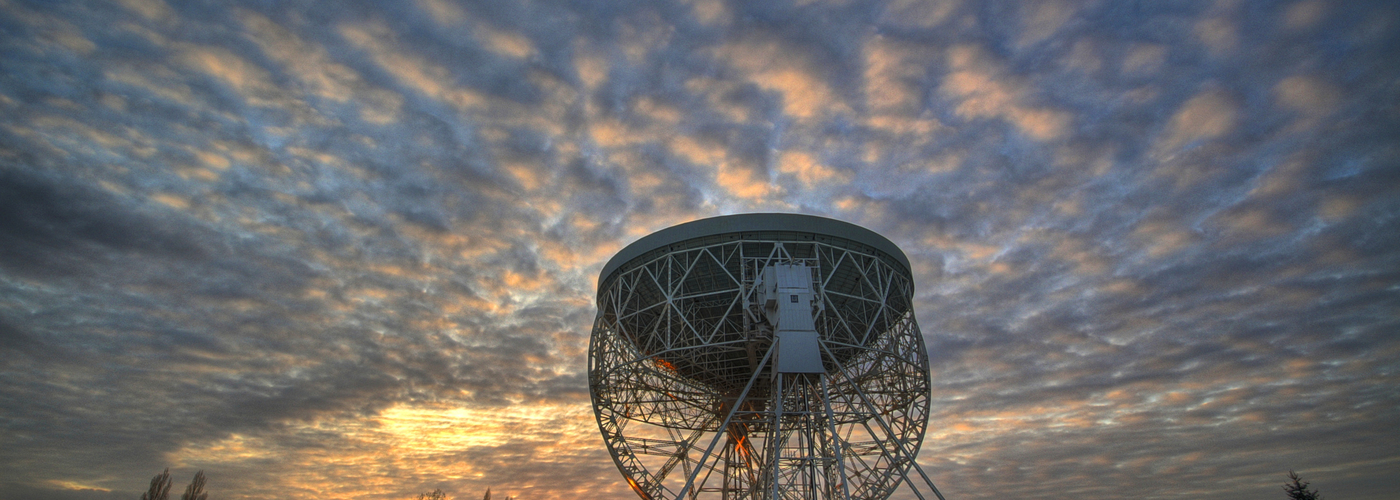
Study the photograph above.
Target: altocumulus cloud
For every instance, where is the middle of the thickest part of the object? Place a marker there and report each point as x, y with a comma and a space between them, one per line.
348, 249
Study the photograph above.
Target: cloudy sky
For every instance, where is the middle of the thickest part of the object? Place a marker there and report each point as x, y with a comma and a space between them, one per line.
349, 249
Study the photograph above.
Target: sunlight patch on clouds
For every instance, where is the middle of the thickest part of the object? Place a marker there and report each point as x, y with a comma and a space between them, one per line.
1085, 258
710, 12
1247, 224
1144, 59
308, 63
1307, 94
1089, 161
808, 170
153, 10
654, 121
738, 180
696, 151
320, 74
1281, 179
743, 183
919, 130
919, 13
212, 160
503, 42
986, 90
717, 95
571, 258
611, 133
1041, 19
959, 255
235, 71
1163, 237
411, 70
1085, 56
590, 64
429, 431
1218, 34
506, 43
661, 113
69, 136
642, 32
58, 32
156, 79
76, 486
1339, 207
778, 68
1305, 14
59, 126
457, 447
171, 200
892, 76
558, 99
804, 96
1208, 115
527, 174
445, 13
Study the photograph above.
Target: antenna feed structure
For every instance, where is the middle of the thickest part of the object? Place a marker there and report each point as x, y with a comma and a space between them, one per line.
760, 356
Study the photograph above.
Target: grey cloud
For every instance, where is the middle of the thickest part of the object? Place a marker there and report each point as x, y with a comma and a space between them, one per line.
50, 227
1153, 294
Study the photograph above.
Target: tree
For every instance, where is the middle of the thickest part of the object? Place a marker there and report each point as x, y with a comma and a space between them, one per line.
1298, 488
160, 487
195, 491
437, 494
488, 495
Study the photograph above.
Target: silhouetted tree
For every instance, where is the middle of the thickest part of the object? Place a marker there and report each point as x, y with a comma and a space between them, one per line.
488, 495
195, 491
1298, 488
160, 487
437, 494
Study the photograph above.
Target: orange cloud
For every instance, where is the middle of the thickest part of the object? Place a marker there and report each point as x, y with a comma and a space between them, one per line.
410, 69
1040, 20
154, 10
987, 91
808, 170
784, 70
1207, 115
737, 180
1218, 34
1307, 94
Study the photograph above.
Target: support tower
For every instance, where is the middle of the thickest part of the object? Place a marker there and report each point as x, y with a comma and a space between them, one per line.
760, 356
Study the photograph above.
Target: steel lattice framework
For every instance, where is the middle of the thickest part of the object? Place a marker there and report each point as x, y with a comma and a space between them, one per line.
683, 378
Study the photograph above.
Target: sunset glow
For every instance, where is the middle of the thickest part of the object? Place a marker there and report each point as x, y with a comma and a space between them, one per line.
350, 249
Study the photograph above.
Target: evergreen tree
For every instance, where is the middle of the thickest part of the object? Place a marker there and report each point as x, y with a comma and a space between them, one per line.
1298, 488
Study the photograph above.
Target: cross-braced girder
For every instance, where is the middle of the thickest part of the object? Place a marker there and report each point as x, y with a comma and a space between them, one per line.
688, 400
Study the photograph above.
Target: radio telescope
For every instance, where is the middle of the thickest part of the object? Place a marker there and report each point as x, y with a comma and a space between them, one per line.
760, 356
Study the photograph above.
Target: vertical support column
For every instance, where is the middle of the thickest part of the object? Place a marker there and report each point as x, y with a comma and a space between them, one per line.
777, 434
835, 440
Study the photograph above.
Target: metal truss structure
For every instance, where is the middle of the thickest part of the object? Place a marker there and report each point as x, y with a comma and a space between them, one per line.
687, 388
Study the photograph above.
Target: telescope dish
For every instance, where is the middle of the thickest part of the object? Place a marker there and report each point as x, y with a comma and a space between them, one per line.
760, 356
